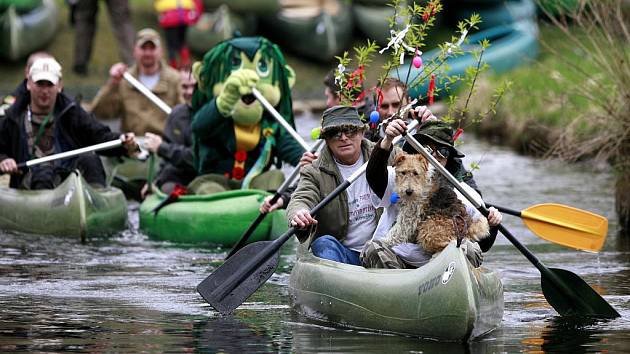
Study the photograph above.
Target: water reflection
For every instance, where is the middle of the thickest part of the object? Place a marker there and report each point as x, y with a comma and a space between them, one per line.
229, 335
568, 335
316, 337
131, 294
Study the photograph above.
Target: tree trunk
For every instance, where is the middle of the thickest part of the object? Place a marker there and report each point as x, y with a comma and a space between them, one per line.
622, 202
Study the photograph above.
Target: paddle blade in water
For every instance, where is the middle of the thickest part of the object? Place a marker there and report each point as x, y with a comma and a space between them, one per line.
568, 294
567, 226
239, 277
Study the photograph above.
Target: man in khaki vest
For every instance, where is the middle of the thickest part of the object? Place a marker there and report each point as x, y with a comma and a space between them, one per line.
118, 99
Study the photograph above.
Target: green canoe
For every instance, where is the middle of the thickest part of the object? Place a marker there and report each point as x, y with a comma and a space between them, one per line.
128, 174
373, 22
23, 33
314, 30
446, 299
214, 27
257, 7
218, 219
510, 46
504, 13
74, 209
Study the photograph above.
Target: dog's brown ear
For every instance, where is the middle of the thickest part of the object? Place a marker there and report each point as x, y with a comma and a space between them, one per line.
400, 157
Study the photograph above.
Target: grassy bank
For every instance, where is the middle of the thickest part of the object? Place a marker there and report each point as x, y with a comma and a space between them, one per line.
544, 100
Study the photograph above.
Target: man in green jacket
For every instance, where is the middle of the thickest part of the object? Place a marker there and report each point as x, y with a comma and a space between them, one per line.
348, 221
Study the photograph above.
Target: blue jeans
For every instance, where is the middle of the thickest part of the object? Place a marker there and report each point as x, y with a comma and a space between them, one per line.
328, 247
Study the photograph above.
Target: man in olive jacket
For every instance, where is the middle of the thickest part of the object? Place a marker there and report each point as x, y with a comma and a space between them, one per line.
340, 229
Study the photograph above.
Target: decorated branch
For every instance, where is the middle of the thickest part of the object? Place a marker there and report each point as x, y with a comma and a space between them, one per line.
426, 75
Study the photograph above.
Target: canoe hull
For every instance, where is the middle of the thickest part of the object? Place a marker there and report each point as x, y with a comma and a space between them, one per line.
218, 219
23, 34
447, 299
72, 209
218, 26
328, 34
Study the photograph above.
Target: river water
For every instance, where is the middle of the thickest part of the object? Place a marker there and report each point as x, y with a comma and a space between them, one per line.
130, 294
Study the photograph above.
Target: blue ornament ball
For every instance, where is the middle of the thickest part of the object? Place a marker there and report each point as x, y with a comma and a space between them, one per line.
394, 198
374, 117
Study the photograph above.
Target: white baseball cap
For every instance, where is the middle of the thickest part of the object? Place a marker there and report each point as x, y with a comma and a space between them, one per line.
45, 69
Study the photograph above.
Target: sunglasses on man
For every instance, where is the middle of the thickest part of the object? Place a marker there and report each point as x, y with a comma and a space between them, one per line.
336, 133
439, 151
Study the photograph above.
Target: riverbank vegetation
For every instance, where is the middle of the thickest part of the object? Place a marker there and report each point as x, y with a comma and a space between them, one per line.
574, 101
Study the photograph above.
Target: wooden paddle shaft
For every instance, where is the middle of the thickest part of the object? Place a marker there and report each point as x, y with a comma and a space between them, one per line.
145, 91
71, 153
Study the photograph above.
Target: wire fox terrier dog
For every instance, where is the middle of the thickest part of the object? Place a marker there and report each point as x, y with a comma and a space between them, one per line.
430, 214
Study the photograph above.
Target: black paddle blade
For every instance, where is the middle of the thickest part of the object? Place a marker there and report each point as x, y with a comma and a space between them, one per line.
568, 294
241, 272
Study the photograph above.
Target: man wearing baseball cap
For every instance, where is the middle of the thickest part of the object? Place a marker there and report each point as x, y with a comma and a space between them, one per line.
119, 99
44, 121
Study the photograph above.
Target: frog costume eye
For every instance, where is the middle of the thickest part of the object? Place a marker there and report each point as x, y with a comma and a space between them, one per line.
236, 62
262, 68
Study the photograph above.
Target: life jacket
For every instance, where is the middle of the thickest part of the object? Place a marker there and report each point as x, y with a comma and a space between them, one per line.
173, 13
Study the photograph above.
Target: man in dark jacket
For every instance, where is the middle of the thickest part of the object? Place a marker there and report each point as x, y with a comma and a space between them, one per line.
8, 100
175, 146
44, 121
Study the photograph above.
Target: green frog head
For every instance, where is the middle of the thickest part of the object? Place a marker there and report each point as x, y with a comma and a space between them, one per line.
230, 60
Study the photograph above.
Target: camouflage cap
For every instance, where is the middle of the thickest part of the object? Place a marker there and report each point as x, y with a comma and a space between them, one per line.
341, 116
436, 132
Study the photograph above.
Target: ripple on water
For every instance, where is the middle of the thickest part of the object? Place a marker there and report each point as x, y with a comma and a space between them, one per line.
128, 293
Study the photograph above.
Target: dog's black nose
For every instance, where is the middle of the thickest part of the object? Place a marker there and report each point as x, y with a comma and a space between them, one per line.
409, 191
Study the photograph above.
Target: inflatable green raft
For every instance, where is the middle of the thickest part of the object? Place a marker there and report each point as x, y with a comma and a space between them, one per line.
73, 209
446, 299
217, 219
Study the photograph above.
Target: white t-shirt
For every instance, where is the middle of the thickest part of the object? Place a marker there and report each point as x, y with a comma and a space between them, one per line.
410, 252
361, 210
149, 80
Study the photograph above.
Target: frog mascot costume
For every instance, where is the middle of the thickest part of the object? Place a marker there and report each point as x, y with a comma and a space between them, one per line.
235, 141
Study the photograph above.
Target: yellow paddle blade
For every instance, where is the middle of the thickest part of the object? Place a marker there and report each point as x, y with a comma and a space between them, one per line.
567, 226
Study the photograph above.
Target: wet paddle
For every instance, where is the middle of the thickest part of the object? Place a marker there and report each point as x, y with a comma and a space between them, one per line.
566, 292
287, 183
236, 279
564, 225
64, 155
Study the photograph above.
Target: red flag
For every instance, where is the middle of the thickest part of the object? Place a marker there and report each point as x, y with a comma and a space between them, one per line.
431, 88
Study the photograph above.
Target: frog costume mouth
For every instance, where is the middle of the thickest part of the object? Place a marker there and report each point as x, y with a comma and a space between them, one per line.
248, 99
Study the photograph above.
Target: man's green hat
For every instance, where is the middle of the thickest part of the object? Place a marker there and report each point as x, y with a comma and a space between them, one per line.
436, 132
341, 117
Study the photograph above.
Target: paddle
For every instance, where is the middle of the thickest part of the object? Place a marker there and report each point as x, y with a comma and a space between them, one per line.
64, 155
288, 182
564, 225
236, 279
145, 91
566, 292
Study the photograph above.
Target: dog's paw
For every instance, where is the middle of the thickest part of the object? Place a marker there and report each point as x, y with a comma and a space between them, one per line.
479, 229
